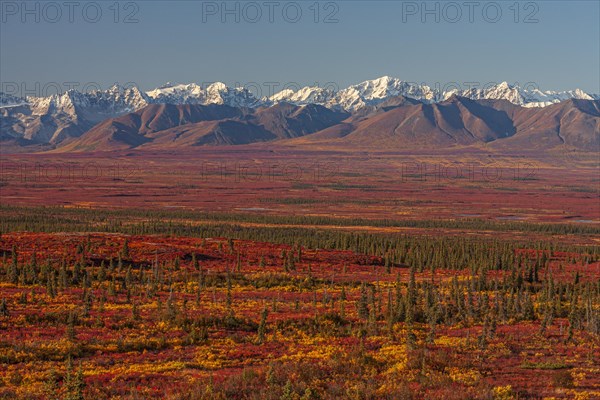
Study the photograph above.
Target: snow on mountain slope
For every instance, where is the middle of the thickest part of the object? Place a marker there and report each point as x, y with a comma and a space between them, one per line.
59, 117
216, 93
376, 91
115, 100
520, 96
7, 100
306, 95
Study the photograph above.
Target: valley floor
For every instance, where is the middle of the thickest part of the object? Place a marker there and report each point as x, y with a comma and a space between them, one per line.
279, 274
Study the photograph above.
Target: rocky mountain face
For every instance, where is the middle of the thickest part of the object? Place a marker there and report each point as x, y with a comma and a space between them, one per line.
59, 118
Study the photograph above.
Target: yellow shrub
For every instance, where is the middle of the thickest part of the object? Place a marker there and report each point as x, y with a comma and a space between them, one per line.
465, 376
503, 393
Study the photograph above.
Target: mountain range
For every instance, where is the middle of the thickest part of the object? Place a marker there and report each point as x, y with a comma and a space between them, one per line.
384, 112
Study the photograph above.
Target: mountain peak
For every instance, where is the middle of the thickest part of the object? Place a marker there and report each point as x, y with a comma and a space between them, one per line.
166, 85
355, 97
384, 79
116, 88
217, 86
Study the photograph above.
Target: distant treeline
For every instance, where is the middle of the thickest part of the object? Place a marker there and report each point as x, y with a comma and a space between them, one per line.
40, 218
421, 251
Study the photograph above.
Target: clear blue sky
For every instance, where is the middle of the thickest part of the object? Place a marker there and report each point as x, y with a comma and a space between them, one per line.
171, 42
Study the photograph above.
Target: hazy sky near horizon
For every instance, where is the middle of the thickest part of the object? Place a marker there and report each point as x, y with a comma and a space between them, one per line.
554, 45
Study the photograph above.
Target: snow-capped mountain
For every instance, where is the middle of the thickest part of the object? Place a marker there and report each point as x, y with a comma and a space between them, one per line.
115, 100
376, 91
7, 100
357, 96
177, 94
306, 95
372, 92
520, 96
60, 117
216, 93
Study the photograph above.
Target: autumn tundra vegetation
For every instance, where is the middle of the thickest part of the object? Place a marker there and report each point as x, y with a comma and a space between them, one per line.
139, 304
